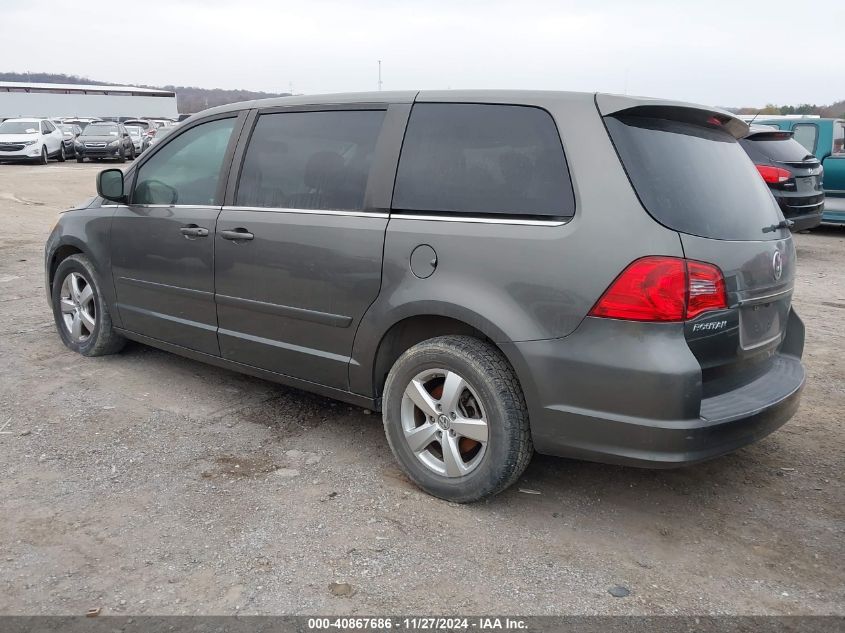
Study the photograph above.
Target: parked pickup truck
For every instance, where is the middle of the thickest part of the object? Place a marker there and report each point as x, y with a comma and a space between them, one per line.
825, 138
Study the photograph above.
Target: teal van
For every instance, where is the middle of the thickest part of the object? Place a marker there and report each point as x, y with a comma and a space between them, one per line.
824, 138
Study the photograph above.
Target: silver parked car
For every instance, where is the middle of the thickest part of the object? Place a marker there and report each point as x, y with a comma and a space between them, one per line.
139, 139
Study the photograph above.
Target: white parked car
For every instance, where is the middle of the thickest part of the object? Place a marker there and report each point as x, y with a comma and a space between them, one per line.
30, 139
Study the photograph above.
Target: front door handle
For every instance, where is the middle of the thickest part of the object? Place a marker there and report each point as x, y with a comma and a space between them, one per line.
192, 231
237, 234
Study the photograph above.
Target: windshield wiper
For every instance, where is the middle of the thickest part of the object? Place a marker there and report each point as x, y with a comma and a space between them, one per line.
783, 224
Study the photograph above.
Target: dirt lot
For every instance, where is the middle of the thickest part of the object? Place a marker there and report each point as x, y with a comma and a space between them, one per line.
147, 483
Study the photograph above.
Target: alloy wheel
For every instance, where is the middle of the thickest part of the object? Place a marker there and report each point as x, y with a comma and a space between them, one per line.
78, 308
444, 422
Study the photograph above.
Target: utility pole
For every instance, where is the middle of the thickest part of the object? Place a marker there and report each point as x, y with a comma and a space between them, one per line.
379, 74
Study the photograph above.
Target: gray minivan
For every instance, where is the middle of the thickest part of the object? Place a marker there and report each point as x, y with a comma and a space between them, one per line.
585, 275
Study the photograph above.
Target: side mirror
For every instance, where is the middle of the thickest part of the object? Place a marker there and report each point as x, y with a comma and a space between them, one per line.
126, 135
110, 185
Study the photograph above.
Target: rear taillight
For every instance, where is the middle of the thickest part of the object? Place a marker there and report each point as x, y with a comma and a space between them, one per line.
706, 288
663, 289
773, 175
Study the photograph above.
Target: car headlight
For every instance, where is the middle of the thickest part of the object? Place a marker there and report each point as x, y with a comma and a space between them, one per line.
30, 142
114, 143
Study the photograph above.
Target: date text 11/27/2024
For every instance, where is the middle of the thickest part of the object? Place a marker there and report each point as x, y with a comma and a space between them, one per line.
418, 623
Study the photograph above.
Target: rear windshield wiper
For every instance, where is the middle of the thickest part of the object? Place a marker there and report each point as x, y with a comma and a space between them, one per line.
783, 224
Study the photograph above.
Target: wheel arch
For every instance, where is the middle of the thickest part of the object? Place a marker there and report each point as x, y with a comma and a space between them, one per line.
376, 349
64, 250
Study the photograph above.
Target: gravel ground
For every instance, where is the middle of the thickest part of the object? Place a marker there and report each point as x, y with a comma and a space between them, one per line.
145, 483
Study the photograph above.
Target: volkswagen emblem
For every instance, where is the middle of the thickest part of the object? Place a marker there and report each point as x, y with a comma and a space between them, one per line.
777, 265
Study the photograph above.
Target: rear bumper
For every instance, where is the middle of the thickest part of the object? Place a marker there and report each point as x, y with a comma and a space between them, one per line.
621, 396
806, 222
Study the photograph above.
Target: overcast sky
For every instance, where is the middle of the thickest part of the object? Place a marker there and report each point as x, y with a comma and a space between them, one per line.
719, 53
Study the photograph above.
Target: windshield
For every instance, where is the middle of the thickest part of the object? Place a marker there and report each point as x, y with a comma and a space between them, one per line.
694, 178
100, 129
19, 127
67, 128
133, 130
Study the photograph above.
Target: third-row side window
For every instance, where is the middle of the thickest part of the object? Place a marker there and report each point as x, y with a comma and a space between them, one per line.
310, 160
479, 159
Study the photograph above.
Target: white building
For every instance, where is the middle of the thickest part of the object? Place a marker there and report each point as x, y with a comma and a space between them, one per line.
22, 99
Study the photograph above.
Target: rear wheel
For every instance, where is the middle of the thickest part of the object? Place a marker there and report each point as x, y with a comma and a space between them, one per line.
81, 314
455, 418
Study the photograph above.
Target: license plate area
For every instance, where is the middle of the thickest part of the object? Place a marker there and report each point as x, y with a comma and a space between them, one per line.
762, 323
807, 184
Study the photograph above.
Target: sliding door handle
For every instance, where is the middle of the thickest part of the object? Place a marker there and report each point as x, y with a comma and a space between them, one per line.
237, 235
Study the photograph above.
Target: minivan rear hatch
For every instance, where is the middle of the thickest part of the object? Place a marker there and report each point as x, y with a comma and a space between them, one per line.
692, 176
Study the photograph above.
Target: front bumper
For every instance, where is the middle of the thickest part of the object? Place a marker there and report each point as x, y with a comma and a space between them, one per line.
629, 393
30, 152
97, 152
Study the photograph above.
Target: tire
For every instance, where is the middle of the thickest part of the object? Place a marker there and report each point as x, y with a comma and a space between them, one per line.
122, 156
61, 155
95, 335
80, 159
489, 393
132, 153
43, 159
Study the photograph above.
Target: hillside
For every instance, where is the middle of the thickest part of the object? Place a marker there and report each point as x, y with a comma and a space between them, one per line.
189, 99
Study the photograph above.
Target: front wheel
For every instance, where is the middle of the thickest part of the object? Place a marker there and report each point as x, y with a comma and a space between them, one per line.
42, 160
80, 159
81, 314
62, 155
456, 419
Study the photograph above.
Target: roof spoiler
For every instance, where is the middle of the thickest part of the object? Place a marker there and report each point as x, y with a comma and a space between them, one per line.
609, 105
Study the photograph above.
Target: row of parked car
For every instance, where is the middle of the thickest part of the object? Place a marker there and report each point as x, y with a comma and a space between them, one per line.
39, 139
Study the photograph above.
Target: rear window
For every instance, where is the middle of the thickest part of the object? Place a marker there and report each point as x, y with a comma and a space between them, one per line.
467, 158
693, 178
781, 150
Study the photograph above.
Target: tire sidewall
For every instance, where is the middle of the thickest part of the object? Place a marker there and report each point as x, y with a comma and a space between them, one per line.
485, 478
77, 265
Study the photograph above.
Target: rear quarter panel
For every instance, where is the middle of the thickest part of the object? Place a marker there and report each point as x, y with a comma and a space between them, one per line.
519, 282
